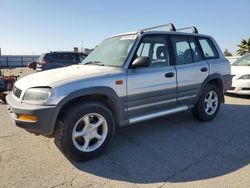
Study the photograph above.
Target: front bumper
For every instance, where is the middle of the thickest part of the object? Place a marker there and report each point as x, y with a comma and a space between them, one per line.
46, 116
240, 87
239, 91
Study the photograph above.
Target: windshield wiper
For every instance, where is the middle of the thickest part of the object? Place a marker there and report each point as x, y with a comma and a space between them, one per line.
94, 63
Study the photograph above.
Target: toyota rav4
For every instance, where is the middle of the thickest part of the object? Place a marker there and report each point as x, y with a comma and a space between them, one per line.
128, 78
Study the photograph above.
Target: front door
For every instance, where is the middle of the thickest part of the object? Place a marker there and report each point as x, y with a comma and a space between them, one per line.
152, 89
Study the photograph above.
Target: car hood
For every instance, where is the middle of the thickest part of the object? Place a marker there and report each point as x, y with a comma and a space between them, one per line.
238, 71
65, 74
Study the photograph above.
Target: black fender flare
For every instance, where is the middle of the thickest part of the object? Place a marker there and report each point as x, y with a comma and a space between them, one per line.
108, 92
215, 76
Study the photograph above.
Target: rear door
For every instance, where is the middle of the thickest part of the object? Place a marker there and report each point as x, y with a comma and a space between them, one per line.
152, 89
191, 69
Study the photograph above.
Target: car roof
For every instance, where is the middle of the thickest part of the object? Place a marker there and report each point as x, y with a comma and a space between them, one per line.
171, 31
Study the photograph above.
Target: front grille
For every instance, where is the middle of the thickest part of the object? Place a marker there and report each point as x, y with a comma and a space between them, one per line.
245, 89
17, 92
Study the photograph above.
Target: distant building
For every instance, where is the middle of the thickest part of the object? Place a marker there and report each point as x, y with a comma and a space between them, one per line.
76, 49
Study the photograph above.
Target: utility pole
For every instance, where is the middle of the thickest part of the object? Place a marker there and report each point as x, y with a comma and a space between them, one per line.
82, 46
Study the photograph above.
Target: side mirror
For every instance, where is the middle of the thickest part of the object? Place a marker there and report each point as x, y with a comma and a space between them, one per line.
141, 62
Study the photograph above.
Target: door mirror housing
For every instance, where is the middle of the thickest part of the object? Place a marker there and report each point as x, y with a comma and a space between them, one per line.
142, 61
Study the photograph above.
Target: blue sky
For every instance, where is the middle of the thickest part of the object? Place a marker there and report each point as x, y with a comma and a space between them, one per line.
33, 27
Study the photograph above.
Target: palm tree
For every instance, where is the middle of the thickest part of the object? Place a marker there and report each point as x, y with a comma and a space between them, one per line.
244, 47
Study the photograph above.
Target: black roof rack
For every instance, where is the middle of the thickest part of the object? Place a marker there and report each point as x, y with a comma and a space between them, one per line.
170, 25
194, 29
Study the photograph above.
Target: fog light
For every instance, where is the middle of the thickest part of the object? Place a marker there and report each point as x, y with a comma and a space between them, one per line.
27, 117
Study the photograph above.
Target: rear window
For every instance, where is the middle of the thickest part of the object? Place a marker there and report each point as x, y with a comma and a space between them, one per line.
208, 48
42, 57
66, 56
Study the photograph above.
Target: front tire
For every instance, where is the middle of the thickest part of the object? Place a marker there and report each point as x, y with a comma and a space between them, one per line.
208, 104
85, 131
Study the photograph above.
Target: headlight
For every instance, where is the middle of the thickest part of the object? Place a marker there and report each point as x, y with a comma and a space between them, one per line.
37, 95
247, 76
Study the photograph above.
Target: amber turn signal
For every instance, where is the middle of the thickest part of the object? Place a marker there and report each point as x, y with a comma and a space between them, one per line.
27, 117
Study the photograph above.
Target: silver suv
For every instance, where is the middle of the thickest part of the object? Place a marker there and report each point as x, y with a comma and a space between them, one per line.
128, 78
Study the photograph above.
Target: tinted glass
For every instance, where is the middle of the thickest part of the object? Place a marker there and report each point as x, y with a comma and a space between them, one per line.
81, 57
208, 48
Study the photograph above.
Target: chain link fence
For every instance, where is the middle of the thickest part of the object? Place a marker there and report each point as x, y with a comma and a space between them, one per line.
16, 60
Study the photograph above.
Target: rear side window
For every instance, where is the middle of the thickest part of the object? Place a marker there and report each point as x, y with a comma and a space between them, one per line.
68, 57
42, 57
71, 57
81, 57
182, 50
208, 48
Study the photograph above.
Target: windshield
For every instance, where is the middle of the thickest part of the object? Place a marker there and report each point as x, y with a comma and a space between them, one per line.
243, 61
112, 51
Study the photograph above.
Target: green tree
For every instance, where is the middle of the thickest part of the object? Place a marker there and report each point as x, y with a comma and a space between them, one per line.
227, 53
244, 47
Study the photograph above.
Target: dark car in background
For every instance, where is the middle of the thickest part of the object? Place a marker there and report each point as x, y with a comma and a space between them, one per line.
54, 60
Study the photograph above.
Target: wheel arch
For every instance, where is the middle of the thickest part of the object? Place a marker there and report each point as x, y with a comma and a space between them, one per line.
215, 79
104, 95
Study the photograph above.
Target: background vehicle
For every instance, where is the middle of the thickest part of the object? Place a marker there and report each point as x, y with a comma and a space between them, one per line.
241, 76
6, 83
128, 78
32, 65
57, 59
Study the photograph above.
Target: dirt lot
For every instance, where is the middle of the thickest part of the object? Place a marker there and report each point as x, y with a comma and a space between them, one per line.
174, 151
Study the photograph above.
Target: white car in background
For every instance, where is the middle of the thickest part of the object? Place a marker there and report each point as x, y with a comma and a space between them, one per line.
240, 70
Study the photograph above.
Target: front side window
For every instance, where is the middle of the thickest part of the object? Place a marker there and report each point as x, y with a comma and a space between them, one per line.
112, 51
156, 49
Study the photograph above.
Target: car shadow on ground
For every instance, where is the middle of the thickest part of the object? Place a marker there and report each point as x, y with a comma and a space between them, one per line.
177, 148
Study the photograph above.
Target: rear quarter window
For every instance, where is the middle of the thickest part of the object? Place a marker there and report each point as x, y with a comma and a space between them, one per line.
42, 57
208, 48
81, 57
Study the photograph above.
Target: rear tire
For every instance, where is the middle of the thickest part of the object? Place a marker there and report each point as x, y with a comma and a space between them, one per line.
4, 98
208, 104
85, 131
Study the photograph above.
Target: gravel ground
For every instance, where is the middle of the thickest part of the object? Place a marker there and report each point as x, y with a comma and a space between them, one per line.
174, 151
